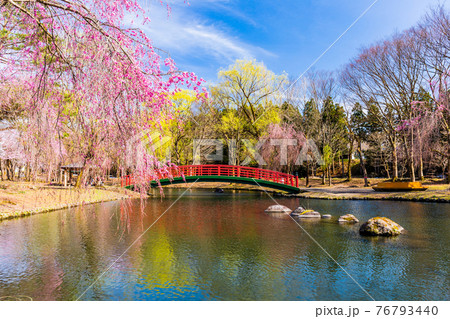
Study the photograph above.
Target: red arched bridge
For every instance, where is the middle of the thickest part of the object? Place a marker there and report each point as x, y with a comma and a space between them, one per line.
222, 173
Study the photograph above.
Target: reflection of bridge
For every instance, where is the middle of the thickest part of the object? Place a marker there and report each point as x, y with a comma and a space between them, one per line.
223, 173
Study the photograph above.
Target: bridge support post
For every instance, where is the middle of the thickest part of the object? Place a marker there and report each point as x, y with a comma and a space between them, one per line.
296, 180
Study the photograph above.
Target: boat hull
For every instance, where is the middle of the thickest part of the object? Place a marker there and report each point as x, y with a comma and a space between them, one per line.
399, 187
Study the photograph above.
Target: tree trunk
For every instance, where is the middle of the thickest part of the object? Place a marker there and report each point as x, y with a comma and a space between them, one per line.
448, 161
307, 173
410, 161
386, 168
412, 173
349, 164
363, 165
19, 173
9, 170
329, 176
394, 164
343, 166
49, 174
323, 176
27, 173
410, 158
79, 179
421, 175
412, 168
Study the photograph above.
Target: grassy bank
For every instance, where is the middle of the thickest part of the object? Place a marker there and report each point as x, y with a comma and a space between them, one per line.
19, 199
342, 189
430, 195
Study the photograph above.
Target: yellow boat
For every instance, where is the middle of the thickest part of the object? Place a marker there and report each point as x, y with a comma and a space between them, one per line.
399, 187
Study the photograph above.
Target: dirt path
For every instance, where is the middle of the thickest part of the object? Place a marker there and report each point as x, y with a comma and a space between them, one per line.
341, 190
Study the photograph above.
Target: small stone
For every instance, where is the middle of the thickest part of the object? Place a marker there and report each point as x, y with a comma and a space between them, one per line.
298, 211
349, 218
308, 214
278, 209
326, 216
380, 226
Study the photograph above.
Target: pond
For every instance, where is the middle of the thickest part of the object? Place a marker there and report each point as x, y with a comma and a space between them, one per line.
208, 246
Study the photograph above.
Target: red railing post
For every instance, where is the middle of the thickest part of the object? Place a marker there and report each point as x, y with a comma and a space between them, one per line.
296, 180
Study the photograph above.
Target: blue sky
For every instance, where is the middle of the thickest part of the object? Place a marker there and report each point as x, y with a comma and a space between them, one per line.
207, 35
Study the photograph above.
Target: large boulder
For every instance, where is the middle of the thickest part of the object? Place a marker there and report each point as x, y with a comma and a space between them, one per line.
308, 214
278, 209
349, 218
380, 226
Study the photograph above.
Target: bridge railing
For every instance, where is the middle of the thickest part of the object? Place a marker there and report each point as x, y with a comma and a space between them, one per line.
222, 170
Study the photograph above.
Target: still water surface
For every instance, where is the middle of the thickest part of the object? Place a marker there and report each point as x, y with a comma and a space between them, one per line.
224, 247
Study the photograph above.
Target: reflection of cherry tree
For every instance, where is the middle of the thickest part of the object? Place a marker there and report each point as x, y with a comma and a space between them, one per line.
93, 82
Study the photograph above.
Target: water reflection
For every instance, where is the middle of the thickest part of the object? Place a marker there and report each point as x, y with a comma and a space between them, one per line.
223, 247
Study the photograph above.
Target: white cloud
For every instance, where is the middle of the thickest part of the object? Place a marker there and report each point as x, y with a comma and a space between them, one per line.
216, 43
182, 32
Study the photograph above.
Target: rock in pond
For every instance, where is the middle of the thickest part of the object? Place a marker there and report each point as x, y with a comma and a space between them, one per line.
326, 216
278, 209
380, 226
308, 214
298, 211
349, 218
